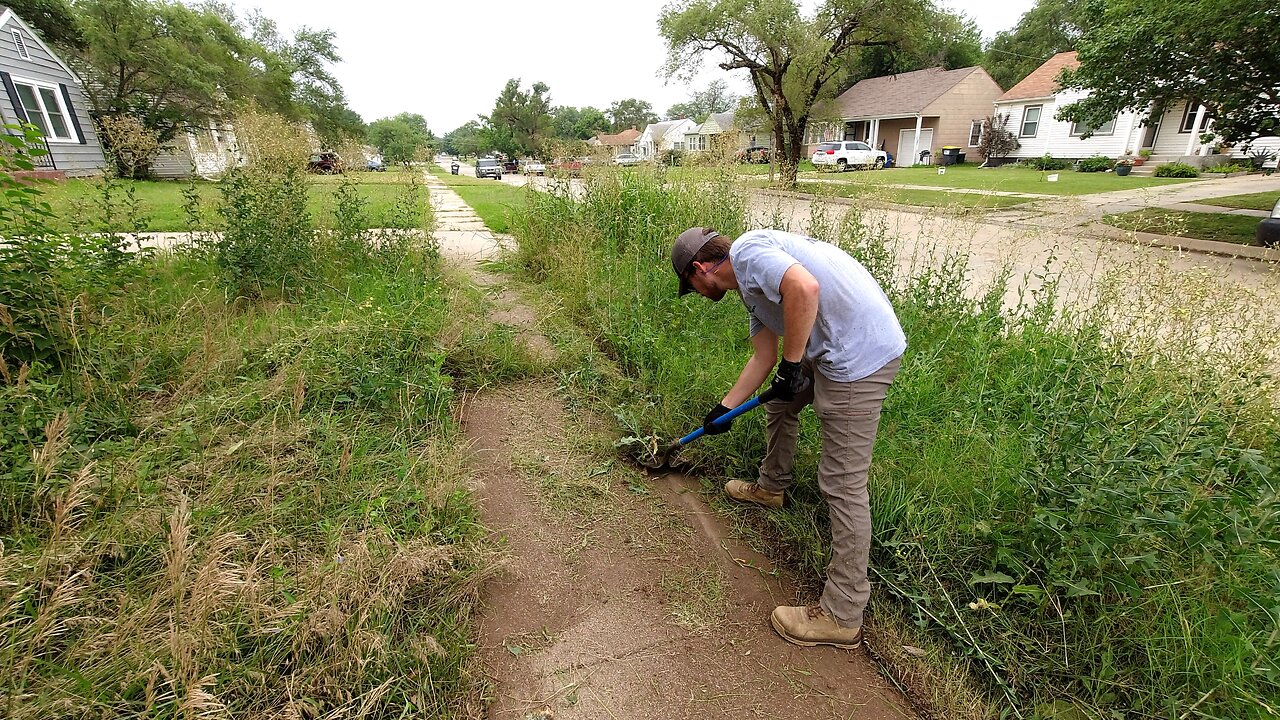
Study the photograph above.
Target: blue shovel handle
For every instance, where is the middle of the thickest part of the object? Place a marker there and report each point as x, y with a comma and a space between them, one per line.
745, 407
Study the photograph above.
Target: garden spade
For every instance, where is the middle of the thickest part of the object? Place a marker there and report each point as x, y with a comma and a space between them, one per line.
663, 460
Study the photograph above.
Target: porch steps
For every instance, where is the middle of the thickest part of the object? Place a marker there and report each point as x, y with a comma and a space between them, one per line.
1148, 168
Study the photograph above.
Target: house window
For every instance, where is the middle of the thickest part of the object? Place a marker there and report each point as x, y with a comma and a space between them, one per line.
1105, 128
975, 133
1189, 116
1030, 121
21, 44
44, 109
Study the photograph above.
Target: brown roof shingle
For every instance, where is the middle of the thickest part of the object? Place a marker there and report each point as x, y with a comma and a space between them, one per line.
901, 94
1043, 81
626, 137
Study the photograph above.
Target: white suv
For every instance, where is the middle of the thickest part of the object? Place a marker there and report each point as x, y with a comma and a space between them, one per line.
845, 154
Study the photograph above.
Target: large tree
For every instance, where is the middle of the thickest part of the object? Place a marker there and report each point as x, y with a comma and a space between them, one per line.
464, 140
716, 98
520, 123
571, 123
400, 138
794, 62
936, 38
173, 67
166, 64
631, 113
1223, 53
53, 19
1051, 27
296, 80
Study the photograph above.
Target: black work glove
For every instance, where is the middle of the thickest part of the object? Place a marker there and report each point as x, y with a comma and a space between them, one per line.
789, 381
709, 424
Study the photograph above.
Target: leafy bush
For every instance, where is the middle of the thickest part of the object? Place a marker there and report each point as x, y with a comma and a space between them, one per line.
1047, 162
1097, 163
1231, 167
671, 157
1177, 170
266, 248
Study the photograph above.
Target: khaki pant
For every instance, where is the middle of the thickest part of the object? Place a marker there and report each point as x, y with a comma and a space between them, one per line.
850, 416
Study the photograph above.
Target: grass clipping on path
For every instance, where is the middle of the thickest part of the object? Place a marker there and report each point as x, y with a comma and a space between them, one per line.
1074, 495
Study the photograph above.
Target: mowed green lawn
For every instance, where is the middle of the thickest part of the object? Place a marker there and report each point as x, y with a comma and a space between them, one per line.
1008, 179
908, 196
161, 202
1249, 201
1239, 229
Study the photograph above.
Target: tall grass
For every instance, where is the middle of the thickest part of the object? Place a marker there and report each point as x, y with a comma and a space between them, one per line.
215, 506
1080, 500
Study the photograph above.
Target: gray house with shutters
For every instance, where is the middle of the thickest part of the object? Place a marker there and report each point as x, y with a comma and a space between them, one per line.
39, 88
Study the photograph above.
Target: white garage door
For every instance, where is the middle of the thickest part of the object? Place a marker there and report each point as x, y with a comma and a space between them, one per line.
905, 139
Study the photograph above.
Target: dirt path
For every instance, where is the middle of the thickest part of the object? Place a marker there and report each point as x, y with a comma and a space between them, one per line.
620, 595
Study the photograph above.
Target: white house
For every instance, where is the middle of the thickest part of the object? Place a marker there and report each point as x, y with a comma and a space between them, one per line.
658, 138
1030, 108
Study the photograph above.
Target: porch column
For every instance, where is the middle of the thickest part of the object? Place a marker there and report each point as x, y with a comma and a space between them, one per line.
915, 142
1195, 131
875, 132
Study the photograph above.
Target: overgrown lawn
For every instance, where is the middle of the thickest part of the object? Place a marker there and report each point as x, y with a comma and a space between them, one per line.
1084, 518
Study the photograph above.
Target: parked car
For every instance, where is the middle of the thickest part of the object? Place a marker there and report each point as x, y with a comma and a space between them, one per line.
626, 159
510, 166
1268, 232
569, 166
488, 167
533, 167
758, 155
846, 154
375, 165
325, 163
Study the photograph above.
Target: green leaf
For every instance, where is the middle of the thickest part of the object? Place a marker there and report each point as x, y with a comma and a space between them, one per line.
991, 577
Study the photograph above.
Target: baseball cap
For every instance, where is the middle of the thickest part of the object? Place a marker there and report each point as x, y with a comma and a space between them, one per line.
685, 247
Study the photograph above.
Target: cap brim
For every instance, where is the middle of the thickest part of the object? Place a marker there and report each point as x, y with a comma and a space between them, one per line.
685, 287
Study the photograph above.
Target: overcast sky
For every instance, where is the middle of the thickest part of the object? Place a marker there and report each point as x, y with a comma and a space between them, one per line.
448, 59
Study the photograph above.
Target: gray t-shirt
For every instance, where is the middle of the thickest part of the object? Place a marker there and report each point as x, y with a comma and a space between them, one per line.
856, 331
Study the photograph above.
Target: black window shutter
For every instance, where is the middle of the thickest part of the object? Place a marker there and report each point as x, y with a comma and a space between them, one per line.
75, 121
13, 96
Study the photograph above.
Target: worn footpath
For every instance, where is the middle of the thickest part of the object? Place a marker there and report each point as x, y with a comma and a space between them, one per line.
620, 595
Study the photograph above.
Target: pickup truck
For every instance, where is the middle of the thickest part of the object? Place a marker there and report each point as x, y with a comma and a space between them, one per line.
488, 167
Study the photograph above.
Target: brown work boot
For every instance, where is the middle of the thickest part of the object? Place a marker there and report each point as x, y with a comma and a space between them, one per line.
811, 625
752, 493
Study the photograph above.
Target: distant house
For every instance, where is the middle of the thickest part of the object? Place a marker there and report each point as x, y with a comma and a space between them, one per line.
1030, 107
201, 152
658, 138
39, 88
721, 131
623, 142
909, 113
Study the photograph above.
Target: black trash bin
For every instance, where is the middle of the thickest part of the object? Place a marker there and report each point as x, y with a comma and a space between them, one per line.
951, 155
